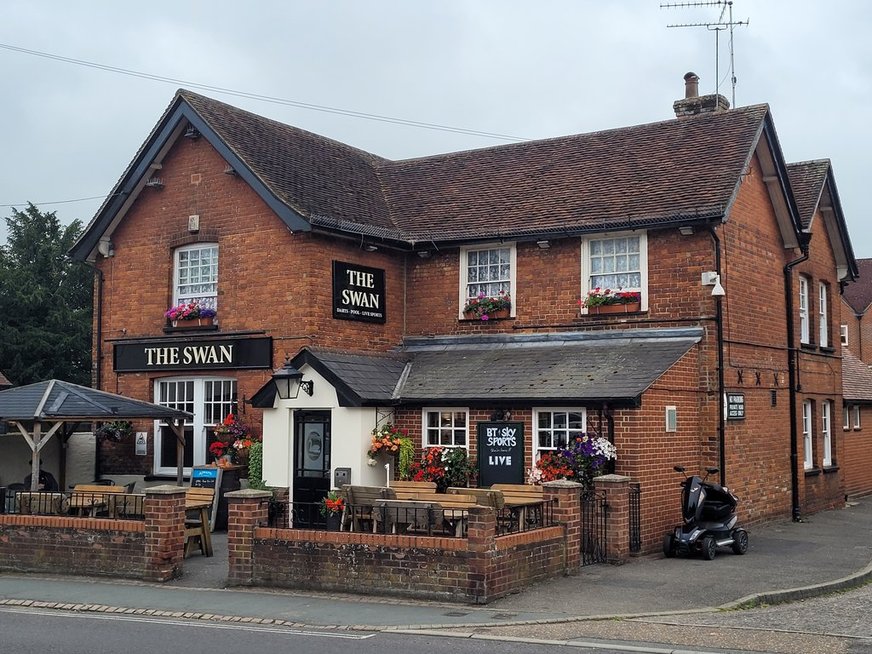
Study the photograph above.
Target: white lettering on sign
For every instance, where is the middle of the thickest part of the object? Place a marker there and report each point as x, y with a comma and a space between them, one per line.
360, 298
505, 437
362, 279
196, 354
499, 460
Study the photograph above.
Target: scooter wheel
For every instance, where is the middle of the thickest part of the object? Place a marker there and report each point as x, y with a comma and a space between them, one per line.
668, 546
740, 541
709, 548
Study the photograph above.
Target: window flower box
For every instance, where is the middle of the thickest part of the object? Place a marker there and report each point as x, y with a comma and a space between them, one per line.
604, 302
488, 308
190, 315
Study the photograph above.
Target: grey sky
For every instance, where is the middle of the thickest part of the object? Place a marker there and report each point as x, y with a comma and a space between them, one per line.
528, 69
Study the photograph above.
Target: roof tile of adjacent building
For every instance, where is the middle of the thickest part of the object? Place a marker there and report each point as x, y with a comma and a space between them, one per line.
807, 179
856, 378
858, 294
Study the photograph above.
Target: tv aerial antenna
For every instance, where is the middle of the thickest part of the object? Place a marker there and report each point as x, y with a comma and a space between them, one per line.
724, 22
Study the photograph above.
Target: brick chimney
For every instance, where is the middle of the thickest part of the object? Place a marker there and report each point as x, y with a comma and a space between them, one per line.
693, 103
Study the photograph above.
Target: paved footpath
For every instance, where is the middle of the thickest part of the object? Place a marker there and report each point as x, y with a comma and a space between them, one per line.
786, 561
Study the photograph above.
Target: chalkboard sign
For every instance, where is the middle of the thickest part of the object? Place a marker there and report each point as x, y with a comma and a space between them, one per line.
208, 477
500, 453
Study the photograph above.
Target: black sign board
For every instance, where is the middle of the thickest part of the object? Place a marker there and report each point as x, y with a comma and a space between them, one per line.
358, 292
735, 406
500, 453
191, 354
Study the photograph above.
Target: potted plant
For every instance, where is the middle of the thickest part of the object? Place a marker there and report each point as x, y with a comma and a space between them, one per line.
190, 314
233, 441
392, 441
484, 307
445, 466
581, 460
605, 301
331, 508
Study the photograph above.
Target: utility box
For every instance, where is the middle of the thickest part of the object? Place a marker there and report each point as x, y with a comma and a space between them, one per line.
341, 476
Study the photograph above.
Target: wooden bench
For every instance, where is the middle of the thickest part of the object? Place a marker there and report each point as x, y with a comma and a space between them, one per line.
42, 503
197, 529
416, 486
357, 514
91, 498
402, 516
483, 496
525, 504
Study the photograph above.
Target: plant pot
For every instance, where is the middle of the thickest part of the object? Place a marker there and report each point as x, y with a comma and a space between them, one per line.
502, 314
193, 322
333, 521
606, 309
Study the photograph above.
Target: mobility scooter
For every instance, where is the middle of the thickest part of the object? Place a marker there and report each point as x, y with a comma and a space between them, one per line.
709, 519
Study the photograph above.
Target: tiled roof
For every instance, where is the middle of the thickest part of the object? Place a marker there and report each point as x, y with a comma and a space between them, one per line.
859, 292
634, 176
60, 400
565, 368
312, 174
856, 378
807, 179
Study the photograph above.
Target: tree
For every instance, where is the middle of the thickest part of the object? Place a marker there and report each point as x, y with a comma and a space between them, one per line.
45, 301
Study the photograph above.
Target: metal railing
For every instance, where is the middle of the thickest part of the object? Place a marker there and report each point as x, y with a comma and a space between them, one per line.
593, 528
635, 517
517, 519
114, 506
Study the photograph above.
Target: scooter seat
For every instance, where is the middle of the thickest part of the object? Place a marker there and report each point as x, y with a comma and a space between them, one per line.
712, 511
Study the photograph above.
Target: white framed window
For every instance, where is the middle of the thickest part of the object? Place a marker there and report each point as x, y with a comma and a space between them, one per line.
446, 427
557, 428
823, 323
808, 456
616, 261
210, 399
195, 274
488, 270
846, 417
671, 418
827, 432
856, 416
804, 328
843, 334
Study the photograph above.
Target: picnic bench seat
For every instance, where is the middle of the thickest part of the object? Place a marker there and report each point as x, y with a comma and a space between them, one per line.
359, 502
92, 498
198, 529
417, 486
42, 503
406, 516
483, 496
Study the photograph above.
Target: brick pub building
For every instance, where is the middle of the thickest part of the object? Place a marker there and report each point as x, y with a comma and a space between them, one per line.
356, 269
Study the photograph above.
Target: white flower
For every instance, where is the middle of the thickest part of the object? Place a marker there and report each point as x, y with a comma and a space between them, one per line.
371, 462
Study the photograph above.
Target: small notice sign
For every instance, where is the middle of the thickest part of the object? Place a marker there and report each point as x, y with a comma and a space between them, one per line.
208, 477
735, 406
500, 453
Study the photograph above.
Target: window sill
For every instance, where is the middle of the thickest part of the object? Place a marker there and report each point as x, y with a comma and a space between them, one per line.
828, 349
828, 470
808, 347
612, 314
812, 472
464, 319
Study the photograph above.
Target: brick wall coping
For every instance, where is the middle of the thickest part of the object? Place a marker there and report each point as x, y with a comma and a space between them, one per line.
249, 494
612, 479
72, 522
166, 489
562, 483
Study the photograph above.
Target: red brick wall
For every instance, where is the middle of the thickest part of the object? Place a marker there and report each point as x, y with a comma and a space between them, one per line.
67, 545
856, 463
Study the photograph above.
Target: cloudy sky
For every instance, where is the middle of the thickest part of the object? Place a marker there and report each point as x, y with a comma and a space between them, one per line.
516, 68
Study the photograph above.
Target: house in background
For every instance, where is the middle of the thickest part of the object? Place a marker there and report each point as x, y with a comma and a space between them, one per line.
856, 339
356, 270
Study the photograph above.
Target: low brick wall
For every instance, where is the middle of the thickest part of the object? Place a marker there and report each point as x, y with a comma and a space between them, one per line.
476, 569
82, 546
152, 549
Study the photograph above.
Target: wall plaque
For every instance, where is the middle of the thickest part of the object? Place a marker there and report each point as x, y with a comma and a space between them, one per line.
358, 292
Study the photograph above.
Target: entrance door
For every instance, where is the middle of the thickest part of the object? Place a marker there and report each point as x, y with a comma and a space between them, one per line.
311, 463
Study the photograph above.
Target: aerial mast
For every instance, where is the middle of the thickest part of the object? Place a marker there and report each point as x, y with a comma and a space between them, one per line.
724, 22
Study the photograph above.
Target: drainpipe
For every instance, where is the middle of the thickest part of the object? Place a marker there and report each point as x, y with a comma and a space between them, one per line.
792, 375
98, 341
719, 324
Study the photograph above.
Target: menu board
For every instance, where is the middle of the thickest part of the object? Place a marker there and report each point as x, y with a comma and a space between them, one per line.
500, 453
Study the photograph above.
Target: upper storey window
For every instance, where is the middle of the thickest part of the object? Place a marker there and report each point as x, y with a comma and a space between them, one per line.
804, 318
196, 274
619, 262
487, 272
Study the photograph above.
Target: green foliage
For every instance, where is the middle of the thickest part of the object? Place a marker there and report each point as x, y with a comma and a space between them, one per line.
255, 466
406, 458
45, 301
